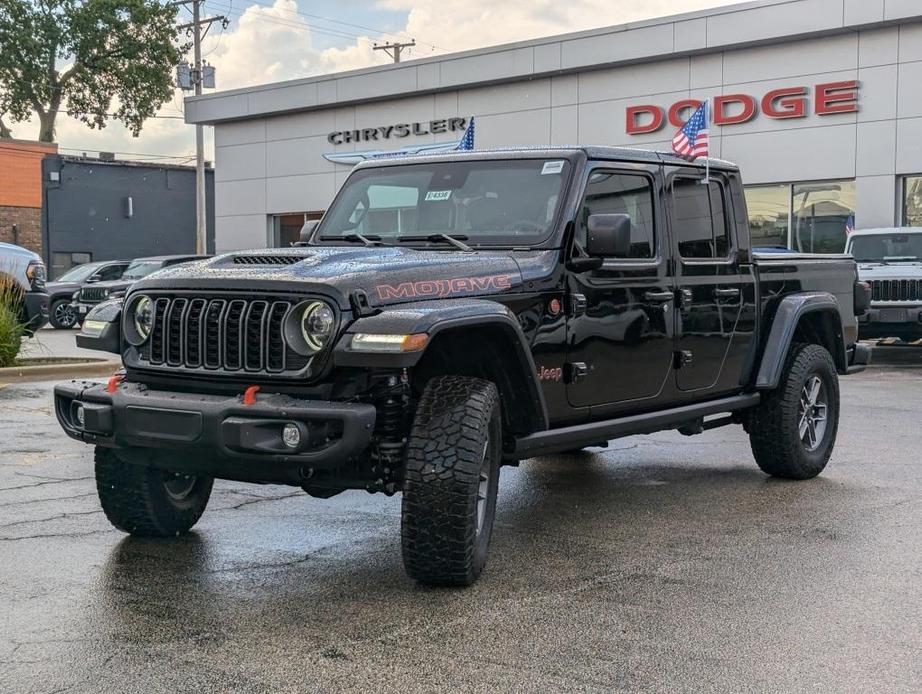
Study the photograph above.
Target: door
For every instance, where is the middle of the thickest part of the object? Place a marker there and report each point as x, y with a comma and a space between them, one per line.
620, 324
708, 283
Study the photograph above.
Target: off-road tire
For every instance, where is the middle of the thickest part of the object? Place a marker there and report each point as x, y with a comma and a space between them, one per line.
773, 429
56, 323
136, 500
456, 436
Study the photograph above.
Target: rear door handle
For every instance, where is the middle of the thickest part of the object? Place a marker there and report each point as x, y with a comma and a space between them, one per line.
658, 296
726, 293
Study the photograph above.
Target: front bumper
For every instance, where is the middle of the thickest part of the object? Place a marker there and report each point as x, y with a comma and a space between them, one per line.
35, 310
82, 308
216, 435
891, 321
893, 314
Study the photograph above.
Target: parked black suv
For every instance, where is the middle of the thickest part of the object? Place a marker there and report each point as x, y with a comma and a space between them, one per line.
94, 293
451, 314
62, 290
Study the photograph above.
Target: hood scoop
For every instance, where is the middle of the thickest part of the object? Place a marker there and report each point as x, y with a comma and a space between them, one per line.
267, 259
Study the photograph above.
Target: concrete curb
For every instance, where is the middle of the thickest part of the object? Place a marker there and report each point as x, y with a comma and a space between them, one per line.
42, 372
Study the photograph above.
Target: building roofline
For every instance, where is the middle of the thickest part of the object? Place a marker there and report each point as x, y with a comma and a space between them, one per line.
95, 161
33, 145
703, 31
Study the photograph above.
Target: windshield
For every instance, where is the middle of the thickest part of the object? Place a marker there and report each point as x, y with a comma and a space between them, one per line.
483, 202
884, 248
78, 273
141, 268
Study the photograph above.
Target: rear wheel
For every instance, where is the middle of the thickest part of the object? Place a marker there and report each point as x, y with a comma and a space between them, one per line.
451, 481
146, 501
61, 315
793, 430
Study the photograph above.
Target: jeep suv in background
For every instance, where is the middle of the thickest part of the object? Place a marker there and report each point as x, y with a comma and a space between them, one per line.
24, 271
452, 314
94, 293
61, 291
890, 260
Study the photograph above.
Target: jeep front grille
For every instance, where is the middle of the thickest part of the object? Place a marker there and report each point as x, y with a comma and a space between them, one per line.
227, 334
93, 295
896, 290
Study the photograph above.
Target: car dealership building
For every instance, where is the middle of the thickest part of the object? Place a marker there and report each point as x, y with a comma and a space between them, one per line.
818, 101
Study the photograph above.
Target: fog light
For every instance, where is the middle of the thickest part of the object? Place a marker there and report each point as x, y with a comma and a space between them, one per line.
79, 415
291, 435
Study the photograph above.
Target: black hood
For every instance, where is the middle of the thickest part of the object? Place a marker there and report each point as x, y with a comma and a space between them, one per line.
111, 285
56, 288
385, 274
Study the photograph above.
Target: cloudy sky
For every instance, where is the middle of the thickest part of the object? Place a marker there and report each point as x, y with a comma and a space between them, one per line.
273, 40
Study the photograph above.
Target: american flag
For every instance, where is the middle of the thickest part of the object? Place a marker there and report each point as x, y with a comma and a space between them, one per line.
691, 140
467, 141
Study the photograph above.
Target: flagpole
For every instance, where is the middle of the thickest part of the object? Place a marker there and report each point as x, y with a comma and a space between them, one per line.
707, 159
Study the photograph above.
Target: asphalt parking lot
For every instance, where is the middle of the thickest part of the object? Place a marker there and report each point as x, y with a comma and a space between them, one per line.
663, 563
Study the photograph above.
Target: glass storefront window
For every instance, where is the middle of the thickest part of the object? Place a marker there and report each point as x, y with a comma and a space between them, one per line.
769, 214
822, 215
285, 229
912, 201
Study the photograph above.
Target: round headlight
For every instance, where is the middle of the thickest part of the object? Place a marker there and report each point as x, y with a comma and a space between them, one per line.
143, 317
317, 323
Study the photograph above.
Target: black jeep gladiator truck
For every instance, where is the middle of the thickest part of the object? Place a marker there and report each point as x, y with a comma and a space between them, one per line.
454, 313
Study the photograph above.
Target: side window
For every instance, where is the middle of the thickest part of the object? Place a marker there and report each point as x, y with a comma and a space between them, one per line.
609, 192
110, 272
699, 214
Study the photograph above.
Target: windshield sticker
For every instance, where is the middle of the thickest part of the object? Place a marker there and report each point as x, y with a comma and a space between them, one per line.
552, 167
437, 195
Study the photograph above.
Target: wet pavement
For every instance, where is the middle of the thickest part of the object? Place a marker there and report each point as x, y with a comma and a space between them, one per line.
663, 563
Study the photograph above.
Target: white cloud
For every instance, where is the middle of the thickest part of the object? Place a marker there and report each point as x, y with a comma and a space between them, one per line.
271, 44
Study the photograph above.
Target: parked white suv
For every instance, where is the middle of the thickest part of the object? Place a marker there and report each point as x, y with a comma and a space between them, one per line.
890, 260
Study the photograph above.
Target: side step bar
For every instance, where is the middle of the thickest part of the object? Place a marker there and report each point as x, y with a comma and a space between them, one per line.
565, 438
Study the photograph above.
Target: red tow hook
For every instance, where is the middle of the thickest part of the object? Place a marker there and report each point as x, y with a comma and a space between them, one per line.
249, 395
112, 385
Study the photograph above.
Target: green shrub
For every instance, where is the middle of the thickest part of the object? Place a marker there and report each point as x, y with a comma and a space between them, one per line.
12, 328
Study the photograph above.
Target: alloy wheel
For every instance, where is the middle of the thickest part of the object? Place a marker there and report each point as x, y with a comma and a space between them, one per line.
64, 315
812, 413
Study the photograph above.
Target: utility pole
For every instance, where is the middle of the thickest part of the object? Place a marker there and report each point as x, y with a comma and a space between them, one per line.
201, 221
396, 47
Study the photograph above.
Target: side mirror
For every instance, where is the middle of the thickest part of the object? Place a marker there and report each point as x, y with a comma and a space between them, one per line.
92, 279
306, 232
609, 236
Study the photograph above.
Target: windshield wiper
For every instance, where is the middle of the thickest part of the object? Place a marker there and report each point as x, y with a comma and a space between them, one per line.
456, 240
367, 240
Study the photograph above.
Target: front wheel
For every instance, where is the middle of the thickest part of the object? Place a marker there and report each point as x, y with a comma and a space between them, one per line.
62, 316
146, 501
793, 430
451, 481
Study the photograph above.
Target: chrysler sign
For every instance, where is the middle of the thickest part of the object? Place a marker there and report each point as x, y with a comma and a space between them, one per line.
386, 132
730, 109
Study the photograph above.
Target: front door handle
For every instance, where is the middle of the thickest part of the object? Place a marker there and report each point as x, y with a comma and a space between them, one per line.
658, 296
726, 293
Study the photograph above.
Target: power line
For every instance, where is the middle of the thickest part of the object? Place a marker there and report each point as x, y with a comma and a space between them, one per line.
348, 24
313, 27
292, 23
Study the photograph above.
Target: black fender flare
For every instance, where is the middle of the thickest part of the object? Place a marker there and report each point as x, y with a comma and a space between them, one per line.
101, 329
784, 324
434, 318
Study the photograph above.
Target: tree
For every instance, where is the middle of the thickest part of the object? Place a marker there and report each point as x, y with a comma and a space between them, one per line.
96, 59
